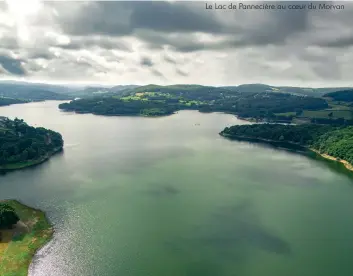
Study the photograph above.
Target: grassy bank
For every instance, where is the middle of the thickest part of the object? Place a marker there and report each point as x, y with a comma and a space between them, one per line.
18, 245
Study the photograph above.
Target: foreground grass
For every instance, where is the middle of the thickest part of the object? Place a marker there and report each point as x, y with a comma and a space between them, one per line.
17, 251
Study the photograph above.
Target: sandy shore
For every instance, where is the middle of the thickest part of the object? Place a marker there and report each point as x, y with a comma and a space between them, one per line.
344, 162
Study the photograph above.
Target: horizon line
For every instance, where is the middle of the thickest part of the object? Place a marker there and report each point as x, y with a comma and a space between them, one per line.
110, 85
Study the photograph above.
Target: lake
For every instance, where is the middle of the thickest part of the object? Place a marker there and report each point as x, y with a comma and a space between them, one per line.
133, 196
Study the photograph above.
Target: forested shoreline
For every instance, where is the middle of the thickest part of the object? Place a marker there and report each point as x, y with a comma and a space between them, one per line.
334, 141
22, 145
8, 101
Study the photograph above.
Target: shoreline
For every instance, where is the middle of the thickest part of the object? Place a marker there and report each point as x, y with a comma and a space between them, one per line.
247, 119
346, 164
30, 163
19, 250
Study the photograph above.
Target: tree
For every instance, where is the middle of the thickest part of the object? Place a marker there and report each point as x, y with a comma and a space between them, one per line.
8, 216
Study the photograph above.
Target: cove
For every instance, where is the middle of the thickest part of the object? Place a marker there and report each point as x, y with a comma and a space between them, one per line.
163, 196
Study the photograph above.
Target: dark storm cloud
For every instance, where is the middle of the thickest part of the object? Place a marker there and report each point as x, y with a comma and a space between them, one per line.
11, 65
172, 17
123, 18
153, 21
146, 61
343, 42
276, 29
181, 43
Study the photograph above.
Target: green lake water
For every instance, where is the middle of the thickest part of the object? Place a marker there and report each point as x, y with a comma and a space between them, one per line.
134, 196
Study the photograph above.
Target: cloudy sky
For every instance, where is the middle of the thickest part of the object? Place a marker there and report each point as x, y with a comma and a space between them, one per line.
174, 42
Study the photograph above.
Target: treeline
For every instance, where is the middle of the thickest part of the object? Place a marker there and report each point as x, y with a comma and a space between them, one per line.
331, 140
265, 105
344, 95
21, 143
8, 101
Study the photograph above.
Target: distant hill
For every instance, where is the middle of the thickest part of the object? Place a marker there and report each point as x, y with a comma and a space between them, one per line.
9, 101
252, 88
175, 88
260, 88
91, 91
119, 88
61, 89
243, 88
42, 91
344, 95
30, 92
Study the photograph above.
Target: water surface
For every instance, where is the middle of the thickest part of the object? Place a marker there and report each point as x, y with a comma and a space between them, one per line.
134, 196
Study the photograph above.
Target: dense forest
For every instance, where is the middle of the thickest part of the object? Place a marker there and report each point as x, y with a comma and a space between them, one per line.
332, 140
344, 96
265, 105
113, 106
22, 145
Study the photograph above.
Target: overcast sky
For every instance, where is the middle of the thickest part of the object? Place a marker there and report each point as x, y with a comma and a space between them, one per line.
174, 42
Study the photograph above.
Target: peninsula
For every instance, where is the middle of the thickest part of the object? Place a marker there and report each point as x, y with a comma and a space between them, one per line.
22, 145
331, 142
155, 100
23, 230
9, 101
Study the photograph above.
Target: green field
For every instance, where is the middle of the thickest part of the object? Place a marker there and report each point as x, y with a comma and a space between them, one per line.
16, 252
346, 114
130, 98
162, 97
